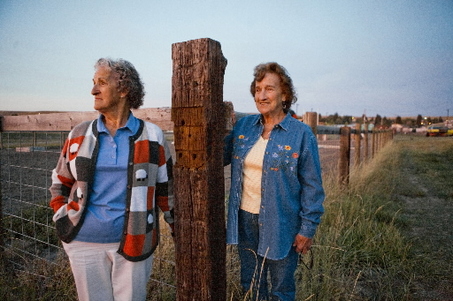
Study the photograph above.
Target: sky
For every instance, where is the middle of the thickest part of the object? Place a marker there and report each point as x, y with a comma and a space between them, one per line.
387, 57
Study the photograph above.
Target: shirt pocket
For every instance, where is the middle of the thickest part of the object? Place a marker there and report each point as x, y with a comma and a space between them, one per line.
284, 158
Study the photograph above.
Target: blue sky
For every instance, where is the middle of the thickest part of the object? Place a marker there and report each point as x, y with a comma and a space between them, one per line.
392, 58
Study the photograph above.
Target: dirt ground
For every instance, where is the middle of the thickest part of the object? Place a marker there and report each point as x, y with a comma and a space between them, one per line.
26, 177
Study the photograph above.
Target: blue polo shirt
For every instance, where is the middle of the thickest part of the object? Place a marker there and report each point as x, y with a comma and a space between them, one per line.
104, 219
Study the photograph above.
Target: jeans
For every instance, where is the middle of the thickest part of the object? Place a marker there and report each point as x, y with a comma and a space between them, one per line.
255, 268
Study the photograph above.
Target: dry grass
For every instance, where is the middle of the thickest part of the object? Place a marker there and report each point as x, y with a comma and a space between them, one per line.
371, 245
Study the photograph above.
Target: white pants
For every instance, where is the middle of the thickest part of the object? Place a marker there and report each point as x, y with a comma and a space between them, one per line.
101, 274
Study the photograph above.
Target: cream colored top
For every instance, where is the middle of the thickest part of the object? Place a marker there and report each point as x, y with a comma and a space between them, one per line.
253, 169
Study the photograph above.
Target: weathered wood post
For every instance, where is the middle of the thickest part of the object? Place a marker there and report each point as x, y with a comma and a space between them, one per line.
381, 140
373, 142
366, 140
345, 152
311, 119
199, 128
357, 143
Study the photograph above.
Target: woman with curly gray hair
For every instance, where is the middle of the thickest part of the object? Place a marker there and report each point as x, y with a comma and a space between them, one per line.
128, 79
111, 174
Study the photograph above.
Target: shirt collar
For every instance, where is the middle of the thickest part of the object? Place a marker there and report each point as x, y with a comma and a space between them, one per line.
132, 124
284, 124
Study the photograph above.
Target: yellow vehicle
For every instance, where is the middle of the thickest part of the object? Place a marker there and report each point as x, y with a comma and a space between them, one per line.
439, 130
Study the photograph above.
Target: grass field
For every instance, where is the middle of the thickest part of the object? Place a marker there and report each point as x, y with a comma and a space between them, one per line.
395, 223
387, 237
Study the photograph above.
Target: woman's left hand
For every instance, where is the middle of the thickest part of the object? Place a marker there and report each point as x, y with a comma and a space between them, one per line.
302, 244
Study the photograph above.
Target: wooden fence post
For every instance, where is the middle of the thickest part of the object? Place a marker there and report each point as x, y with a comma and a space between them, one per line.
345, 151
199, 128
379, 141
366, 140
358, 136
311, 119
373, 142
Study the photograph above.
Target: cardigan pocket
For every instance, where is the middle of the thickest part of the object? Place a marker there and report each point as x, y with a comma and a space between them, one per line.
67, 223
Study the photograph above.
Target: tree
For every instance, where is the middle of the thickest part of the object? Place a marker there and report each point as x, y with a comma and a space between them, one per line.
377, 120
347, 119
419, 120
386, 122
398, 120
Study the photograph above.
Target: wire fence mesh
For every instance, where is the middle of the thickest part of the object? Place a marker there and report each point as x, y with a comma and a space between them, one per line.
26, 163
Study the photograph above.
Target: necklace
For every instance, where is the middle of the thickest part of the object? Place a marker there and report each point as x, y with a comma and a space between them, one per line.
268, 127
266, 133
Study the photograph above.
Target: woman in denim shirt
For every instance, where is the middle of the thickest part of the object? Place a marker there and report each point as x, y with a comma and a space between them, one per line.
276, 195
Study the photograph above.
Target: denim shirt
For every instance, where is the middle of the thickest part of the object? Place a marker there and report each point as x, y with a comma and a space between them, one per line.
291, 184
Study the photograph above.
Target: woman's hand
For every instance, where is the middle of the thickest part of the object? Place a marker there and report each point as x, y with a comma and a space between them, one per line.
302, 244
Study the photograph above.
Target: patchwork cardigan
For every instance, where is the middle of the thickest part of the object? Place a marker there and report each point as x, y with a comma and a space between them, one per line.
149, 184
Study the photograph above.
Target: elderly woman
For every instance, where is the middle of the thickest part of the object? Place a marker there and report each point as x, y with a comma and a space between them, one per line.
276, 196
111, 174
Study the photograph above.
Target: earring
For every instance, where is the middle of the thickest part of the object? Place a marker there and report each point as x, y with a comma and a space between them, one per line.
284, 104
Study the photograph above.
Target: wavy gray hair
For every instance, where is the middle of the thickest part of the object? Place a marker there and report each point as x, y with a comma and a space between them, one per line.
128, 79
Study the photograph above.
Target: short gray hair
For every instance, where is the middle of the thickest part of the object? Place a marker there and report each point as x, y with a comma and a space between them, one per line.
128, 79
